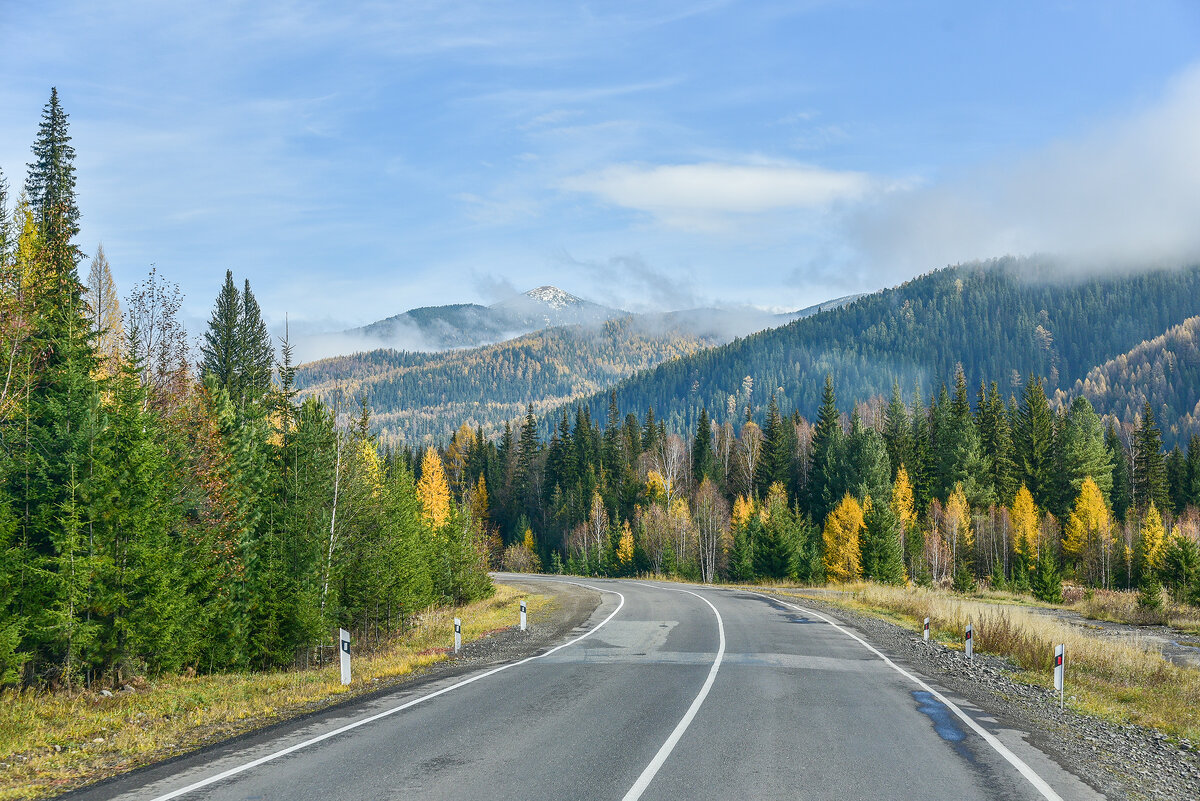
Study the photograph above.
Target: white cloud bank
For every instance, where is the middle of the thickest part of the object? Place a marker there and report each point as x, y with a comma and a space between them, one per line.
1125, 194
704, 195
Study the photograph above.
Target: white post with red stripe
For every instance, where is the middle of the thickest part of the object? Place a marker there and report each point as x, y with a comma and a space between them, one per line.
1059, 660
344, 654
926, 632
970, 641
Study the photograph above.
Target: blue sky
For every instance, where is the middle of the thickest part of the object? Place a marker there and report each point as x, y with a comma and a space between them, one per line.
357, 159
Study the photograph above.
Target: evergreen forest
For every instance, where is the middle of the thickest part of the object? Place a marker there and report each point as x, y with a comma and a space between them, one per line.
159, 515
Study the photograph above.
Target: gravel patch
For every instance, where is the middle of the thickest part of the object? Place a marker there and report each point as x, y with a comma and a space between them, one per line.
1121, 761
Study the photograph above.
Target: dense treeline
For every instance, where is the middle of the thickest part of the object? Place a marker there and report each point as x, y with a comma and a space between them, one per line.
156, 518
1163, 371
970, 485
998, 320
423, 397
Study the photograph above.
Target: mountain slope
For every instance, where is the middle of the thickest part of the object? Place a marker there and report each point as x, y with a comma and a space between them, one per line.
990, 317
1164, 370
419, 397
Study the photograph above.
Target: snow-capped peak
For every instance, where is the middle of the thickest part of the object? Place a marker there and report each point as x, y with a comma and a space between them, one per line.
553, 297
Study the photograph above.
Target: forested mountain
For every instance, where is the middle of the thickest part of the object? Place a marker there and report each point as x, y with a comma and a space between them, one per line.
417, 397
993, 318
467, 325
421, 396
1163, 371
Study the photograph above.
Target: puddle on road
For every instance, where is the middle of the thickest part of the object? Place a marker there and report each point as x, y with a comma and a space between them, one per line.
943, 719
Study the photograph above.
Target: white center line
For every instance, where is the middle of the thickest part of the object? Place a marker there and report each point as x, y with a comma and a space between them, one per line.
648, 774
1037, 781
343, 729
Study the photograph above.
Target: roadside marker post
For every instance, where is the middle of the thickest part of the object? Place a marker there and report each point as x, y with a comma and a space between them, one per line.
1059, 659
926, 632
522, 615
344, 653
457, 635
970, 641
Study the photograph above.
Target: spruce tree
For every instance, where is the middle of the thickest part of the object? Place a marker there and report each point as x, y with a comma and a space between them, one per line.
220, 350
1149, 467
50, 180
704, 460
1122, 479
1034, 441
49, 480
897, 435
882, 557
1046, 581
824, 488
1177, 480
1080, 453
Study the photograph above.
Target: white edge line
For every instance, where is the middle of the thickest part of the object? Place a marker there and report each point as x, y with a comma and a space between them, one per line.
647, 776
343, 729
1037, 781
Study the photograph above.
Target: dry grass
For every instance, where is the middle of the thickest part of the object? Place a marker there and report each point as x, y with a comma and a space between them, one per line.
1125, 681
50, 743
1123, 607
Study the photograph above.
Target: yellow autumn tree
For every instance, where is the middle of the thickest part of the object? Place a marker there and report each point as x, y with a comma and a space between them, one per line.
372, 468
1089, 539
1153, 537
1024, 519
902, 499
843, 550
957, 522
479, 502
743, 510
656, 488
456, 454
433, 491
625, 545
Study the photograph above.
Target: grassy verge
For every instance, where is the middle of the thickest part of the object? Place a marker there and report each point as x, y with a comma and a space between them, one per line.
1119, 681
50, 743
1123, 607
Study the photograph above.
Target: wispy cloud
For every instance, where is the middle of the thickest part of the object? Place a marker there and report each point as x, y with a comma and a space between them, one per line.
1124, 194
703, 195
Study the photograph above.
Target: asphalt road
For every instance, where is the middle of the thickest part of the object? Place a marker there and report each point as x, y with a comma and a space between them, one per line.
673, 692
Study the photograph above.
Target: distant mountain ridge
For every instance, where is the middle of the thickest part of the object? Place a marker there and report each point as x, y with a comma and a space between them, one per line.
421, 396
468, 325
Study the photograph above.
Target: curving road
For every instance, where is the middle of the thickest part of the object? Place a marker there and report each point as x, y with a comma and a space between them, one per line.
669, 692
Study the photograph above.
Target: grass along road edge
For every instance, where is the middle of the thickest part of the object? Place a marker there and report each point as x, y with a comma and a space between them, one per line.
51, 743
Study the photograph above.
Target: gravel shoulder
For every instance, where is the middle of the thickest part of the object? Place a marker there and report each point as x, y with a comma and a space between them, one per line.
1118, 760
